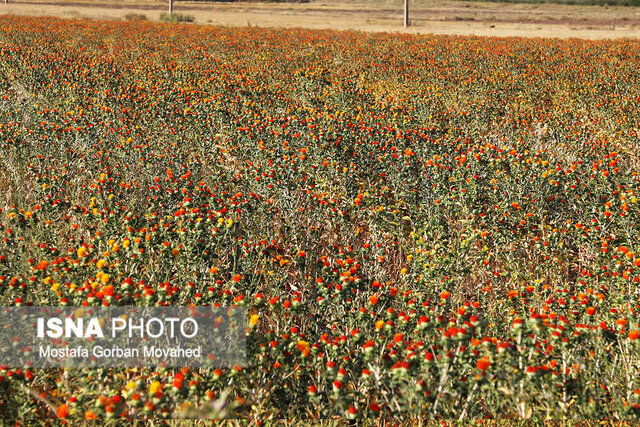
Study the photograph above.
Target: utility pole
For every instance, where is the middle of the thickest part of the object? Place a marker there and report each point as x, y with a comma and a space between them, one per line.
170, 7
406, 13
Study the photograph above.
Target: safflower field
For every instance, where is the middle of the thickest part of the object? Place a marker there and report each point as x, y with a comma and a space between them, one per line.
419, 226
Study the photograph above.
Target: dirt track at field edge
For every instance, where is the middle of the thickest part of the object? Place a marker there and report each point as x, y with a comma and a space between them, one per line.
452, 17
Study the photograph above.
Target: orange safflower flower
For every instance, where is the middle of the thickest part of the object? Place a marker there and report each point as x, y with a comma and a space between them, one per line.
483, 364
303, 347
63, 411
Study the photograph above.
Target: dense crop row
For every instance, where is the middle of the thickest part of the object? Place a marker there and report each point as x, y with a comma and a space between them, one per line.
434, 226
